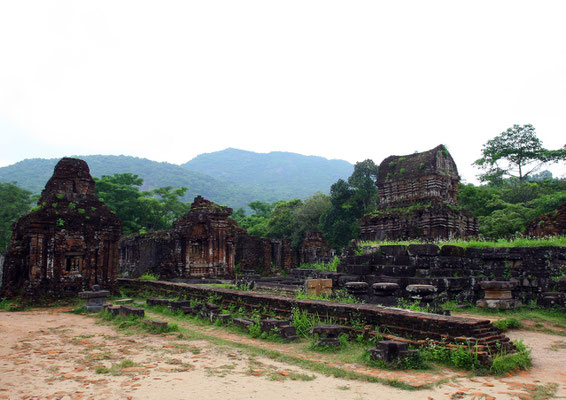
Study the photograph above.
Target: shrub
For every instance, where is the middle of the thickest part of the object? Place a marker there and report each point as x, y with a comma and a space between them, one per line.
503, 363
304, 322
149, 277
507, 323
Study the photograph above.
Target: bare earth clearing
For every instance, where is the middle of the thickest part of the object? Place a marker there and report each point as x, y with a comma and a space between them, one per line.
51, 354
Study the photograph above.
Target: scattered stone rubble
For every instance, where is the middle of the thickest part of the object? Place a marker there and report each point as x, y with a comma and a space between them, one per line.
418, 200
390, 351
416, 327
212, 312
328, 335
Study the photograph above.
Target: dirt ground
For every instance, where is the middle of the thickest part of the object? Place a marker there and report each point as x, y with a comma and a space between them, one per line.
51, 354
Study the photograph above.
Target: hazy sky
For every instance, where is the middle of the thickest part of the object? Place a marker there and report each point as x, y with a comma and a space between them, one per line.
168, 80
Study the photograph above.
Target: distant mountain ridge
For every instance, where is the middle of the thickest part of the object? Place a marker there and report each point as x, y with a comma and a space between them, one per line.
231, 177
288, 175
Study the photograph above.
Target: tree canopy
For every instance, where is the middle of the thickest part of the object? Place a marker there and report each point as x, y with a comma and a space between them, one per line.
140, 211
15, 202
515, 153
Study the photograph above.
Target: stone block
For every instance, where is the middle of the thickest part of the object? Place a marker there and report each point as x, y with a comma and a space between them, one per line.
177, 304
452, 251
389, 351
318, 287
224, 318
159, 302
242, 322
161, 325
95, 299
357, 288
384, 288
498, 285
422, 290
423, 250
394, 250
327, 335
131, 310
505, 304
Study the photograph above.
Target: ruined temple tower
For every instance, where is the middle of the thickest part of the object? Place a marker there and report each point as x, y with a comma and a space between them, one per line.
68, 243
418, 200
208, 239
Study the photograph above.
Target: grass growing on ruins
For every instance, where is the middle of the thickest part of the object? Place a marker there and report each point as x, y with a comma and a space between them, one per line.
503, 363
315, 366
559, 241
149, 277
414, 306
331, 266
8, 305
340, 296
530, 317
414, 362
353, 349
505, 324
23, 304
133, 324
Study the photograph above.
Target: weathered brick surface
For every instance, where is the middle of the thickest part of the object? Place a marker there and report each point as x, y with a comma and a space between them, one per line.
66, 245
314, 248
551, 224
457, 272
204, 243
418, 199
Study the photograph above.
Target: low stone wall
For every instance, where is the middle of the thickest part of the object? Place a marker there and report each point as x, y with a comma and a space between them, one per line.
457, 272
408, 324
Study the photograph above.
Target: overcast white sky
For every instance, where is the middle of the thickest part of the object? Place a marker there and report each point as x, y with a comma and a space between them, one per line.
168, 80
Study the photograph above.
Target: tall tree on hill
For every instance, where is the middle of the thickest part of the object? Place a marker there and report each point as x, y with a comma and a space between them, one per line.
515, 153
15, 202
349, 202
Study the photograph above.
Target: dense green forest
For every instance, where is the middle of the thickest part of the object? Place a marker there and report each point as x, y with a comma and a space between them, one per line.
513, 194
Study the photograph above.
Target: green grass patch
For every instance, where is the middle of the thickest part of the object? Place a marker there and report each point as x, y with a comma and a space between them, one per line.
331, 266
340, 295
149, 277
504, 363
505, 324
559, 241
543, 317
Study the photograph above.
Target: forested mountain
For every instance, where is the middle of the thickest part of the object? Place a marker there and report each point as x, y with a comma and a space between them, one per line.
287, 175
222, 188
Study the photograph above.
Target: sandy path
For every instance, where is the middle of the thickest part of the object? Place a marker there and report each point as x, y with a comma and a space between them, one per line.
55, 355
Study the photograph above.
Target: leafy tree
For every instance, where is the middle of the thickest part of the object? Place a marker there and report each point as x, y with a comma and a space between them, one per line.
162, 206
140, 211
281, 223
349, 202
15, 202
340, 223
362, 181
516, 153
308, 216
257, 223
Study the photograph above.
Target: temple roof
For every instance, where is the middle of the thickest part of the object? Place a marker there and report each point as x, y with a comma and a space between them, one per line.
437, 161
